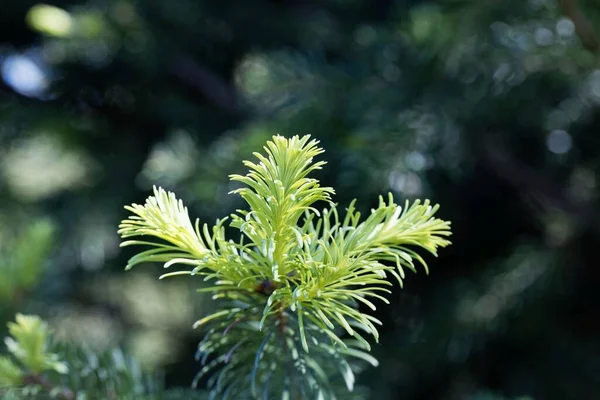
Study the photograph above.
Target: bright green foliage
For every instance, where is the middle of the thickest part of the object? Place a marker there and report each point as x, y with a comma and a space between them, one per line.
29, 345
294, 277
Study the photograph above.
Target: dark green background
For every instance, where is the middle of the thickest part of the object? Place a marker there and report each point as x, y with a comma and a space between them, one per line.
490, 108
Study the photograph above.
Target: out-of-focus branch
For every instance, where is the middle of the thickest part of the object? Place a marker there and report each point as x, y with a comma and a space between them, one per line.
213, 87
527, 180
583, 27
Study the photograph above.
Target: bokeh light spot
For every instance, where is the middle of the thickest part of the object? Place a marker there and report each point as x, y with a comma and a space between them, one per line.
559, 142
50, 20
565, 27
24, 75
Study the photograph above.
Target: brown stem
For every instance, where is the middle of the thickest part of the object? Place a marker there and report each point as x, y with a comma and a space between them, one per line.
64, 394
583, 27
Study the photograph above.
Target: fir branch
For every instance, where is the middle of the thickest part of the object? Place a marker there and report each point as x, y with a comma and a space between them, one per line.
288, 284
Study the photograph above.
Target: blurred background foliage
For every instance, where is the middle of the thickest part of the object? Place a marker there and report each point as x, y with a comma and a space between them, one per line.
490, 108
